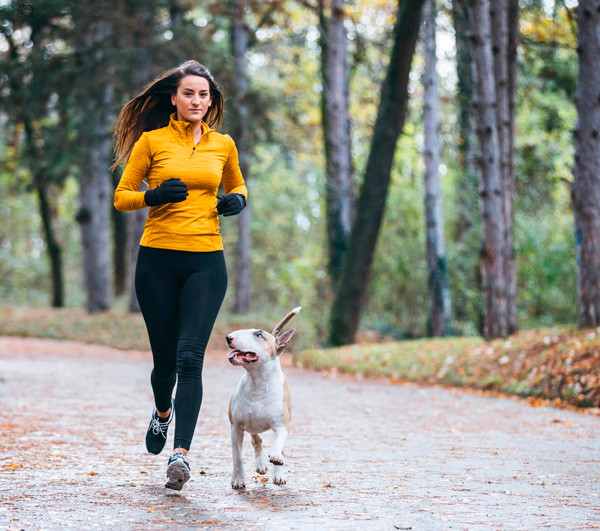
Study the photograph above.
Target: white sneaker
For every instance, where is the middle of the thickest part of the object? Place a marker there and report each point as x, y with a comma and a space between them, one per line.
178, 471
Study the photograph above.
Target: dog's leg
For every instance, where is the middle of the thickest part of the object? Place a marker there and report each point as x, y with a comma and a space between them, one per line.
279, 437
237, 440
279, 475
261, 461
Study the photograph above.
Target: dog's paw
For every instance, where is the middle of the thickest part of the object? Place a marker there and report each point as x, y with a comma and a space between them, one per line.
261, 466
276, 459
237, 483
279, 478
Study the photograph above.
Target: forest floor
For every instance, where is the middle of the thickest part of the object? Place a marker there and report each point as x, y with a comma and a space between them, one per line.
558, 366
362, 454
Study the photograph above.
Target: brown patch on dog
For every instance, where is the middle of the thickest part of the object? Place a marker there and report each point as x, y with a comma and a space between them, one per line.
271, 344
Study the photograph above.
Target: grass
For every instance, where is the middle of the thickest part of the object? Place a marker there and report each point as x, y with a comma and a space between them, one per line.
561, 364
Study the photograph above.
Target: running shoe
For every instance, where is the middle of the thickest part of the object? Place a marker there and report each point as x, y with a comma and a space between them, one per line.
156, 436
178, 471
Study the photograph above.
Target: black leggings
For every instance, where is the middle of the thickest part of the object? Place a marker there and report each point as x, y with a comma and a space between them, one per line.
180, 294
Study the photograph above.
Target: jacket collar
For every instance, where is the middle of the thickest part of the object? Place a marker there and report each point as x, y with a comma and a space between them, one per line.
181, 127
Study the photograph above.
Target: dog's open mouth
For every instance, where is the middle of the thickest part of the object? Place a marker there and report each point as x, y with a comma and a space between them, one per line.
238, 357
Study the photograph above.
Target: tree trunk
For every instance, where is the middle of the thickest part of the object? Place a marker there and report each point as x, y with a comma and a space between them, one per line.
336, 134
95, 181
586, 185
239, 42
119, 223
509, 192
135, 230
490, 186
143, 72
466, 200
54, 250
504, 80
39, 162
439, 289
358, 259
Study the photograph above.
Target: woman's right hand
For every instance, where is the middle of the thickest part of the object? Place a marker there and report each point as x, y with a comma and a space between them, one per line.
170, 191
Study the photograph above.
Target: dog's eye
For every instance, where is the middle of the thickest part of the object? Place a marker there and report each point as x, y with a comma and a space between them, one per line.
258, 334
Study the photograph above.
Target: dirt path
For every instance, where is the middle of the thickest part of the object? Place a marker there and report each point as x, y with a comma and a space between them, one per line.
361, 455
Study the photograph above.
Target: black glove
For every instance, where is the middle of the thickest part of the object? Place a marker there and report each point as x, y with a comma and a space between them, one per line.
230, 204
171, 191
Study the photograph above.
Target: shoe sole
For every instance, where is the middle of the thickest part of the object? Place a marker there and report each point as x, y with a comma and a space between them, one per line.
177, 474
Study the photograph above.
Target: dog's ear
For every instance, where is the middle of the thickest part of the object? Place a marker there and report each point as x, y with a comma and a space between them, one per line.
284, 339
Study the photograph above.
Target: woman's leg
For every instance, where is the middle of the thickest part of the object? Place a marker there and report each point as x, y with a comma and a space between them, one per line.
157, 290
201, 298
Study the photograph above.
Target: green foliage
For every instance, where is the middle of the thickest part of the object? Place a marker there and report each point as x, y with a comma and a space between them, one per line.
286, 180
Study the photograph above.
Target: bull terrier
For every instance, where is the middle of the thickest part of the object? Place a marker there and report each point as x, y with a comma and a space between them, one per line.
261, 401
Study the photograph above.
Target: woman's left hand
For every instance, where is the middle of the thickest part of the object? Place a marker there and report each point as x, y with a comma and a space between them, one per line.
230, 204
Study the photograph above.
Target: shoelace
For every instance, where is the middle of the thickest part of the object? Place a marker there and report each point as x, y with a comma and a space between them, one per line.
159, 427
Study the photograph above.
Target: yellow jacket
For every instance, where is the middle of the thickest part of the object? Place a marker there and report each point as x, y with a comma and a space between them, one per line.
160, 154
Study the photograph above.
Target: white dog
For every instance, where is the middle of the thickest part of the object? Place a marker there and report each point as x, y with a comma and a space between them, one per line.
261, 401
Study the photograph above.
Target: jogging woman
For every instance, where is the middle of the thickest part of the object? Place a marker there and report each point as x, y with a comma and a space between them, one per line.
167, 138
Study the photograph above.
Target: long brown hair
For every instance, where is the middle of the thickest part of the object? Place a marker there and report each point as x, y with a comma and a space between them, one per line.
152, 107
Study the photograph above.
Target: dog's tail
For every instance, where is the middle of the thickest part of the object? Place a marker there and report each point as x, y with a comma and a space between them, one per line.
284, 321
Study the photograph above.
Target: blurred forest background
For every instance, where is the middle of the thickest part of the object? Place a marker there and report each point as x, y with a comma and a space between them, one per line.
67, 69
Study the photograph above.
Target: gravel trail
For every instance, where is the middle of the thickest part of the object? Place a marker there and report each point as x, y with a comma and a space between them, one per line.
361, 454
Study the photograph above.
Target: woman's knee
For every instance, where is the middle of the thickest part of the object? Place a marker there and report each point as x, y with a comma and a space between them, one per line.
190, 356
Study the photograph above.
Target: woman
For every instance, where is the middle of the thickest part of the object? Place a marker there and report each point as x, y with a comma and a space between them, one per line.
181, 276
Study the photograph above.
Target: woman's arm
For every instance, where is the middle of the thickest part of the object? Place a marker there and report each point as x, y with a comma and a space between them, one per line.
233, 181
127, 194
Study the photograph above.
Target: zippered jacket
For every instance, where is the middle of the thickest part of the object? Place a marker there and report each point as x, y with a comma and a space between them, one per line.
161, 154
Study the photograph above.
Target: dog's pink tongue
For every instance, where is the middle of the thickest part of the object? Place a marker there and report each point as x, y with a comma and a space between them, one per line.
232, 353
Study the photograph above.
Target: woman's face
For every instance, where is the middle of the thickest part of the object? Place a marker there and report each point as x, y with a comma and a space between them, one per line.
192, 99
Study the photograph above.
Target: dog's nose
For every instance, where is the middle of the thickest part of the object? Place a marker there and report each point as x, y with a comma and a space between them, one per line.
229, 339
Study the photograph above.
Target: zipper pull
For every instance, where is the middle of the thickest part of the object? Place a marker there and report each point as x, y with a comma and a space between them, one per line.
194, 149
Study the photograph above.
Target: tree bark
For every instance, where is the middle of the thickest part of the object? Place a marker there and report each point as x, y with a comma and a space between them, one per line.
336, 134
95, 180
439, 290
54, 250
135, 230
467, 196
40, 164
490, 185
505, 77
358, 259
509, 193
239, 43
119, 224
586, 185
143, 72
